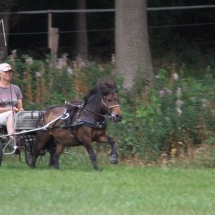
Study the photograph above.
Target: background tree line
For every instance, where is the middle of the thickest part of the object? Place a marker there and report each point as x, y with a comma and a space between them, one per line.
171, 38
102, 43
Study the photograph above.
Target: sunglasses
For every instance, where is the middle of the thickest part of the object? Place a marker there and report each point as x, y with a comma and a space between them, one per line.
9, 71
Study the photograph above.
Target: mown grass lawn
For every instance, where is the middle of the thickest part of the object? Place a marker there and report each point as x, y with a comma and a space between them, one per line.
78, 189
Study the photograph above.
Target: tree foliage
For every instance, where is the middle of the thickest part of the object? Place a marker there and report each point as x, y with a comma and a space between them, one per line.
193, 36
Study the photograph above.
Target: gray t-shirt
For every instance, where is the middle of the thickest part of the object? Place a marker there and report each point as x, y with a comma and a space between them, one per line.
9, 95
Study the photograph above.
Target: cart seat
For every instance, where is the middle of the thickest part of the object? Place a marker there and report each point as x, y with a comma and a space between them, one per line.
26, 120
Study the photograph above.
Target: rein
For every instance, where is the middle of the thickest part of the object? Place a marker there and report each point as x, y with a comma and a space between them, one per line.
82, 107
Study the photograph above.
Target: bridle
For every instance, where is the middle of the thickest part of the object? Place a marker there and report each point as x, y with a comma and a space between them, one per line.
109, 107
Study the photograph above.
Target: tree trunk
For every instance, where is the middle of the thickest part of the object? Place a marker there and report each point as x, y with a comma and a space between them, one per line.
81, 40
131, 39
3, 48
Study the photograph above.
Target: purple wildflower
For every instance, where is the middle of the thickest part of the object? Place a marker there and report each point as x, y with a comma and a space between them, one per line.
161, 93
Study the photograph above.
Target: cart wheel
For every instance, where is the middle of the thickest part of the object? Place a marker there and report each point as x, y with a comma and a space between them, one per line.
30, 158
1, 152
29, 155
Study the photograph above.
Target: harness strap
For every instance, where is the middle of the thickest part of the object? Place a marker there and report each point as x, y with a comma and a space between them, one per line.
74, 137
83, 121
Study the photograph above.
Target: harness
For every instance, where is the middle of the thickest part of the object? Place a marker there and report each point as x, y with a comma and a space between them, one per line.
87, 121
80, 121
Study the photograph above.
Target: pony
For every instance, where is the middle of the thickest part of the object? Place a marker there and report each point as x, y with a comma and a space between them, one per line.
79, 123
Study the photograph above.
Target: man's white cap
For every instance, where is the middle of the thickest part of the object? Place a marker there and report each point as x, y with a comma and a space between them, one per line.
5, 67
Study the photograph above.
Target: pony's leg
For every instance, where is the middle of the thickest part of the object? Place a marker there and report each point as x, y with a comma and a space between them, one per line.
36, 155
113, 155
92, 155
56, 155
52, 157
51, 147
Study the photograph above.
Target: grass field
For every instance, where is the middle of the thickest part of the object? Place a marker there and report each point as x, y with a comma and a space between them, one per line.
78, 189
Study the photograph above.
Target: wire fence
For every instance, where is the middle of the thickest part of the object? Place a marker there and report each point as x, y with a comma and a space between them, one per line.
110, 10
194, 7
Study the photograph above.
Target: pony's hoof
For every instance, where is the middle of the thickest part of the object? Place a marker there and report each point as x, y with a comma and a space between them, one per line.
114, 159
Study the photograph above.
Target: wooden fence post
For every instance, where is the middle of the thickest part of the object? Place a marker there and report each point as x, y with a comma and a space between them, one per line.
53, 39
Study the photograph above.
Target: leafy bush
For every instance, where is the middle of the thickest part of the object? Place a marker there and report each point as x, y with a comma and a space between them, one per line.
169, 117
165, 117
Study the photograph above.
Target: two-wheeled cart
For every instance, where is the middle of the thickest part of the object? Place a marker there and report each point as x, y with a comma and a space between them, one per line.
23, 140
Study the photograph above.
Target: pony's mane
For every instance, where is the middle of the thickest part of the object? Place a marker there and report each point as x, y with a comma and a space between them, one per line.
103, 87
106, 86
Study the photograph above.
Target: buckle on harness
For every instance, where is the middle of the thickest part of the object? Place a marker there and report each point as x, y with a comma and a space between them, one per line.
66, 115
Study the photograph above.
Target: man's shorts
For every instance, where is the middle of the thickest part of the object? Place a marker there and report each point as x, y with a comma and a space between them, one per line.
4, 116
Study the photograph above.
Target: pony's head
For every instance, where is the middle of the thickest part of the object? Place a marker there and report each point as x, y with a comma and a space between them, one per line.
110, 99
